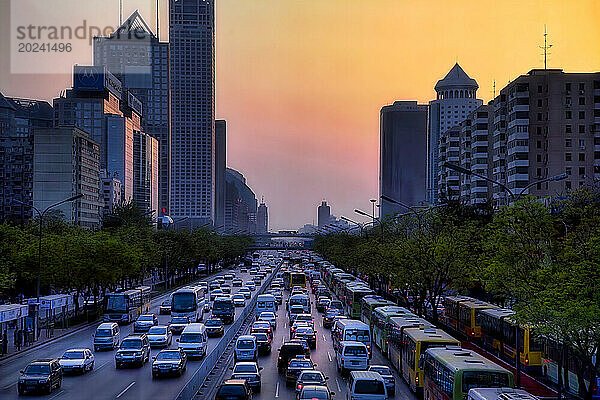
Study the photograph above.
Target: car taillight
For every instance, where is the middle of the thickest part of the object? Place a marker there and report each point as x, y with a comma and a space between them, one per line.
416, 379
280, 358
299, 387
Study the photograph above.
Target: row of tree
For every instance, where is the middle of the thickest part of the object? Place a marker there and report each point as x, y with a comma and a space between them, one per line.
544, 262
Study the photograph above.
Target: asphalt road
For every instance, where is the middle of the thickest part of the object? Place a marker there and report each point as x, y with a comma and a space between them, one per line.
105, 381
273, 384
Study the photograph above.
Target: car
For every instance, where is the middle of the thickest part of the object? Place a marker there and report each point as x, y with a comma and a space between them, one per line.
306, 318
278, 295
160, 336
245, 348
295, 310
323, 303
215, 293
144, 322
178, 324
262, 326
263, 341
40, 375
295, 366
134, 350
257, 279
310, 377
307, 333
239, 300
220, 279
77, 361
289, 350
336, 304
237, 282
228, 277
169, 362
246, 292
314, 392
296, 325
250, 371
214, 327
214, 285
330, 314
269, 317
388, 377
165, 307
234, 389
226, 288
250, 285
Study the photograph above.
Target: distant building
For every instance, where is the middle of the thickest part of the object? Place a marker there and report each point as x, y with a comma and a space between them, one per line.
110, 193
323, 214
67, 163
262, 218
402, 155
456, 98
18, 120
240, 204
145, 171
220, 166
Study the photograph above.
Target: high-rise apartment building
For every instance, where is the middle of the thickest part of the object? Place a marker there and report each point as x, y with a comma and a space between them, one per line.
323, 214
402, 155
145, 171
456, 98
66, 163
136, 56
220, 166
192, 79
110, 192
262, 218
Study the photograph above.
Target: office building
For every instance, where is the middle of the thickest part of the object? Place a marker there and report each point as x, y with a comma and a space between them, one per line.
456, 98
192, 80
262, 218
220, 166
110, 192
403, 155
18, 120
240, 204
145, 171
323, 214
66, 163
136, 56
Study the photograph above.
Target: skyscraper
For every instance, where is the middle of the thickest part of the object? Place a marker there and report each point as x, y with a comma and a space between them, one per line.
456, 98
240, 204
262, 218
220, 166
402, 155
323, 214
192, 79
145, 171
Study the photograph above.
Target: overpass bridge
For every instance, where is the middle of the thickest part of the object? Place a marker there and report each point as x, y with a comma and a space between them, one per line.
286, 240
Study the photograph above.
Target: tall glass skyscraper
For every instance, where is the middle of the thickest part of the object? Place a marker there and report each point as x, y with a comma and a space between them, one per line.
192, 78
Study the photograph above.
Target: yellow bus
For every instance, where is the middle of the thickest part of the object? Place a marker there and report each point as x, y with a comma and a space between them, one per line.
298, 279
466, 317
396, 327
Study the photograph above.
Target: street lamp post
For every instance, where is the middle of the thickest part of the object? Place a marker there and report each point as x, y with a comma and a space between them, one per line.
39, 272
360, 226
375, 219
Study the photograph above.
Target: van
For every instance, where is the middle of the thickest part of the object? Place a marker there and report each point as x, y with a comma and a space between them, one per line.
246, 349
366, 385
352, 356
300, 299
351, 330
107, 336
194, 340
265, 303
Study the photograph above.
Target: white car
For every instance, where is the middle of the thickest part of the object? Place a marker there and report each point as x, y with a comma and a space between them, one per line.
239, 300
250, 285
246, 292
160, 336
269, 317
215, 293
77, 361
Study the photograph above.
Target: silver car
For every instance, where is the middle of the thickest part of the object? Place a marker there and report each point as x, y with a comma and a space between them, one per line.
145, 322
160, 336
77, 361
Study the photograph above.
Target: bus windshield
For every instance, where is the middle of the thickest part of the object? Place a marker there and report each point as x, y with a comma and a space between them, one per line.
184, 302
116, 303
358, 335
222, 305
486, 379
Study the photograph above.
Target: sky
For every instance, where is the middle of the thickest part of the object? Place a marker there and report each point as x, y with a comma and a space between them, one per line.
301, 82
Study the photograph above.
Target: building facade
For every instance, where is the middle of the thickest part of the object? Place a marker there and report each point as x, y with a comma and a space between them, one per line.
240, 204
110, 192
262, 218
220, 166
402, 155
145, 171
456, 97
323, 214
192, 79
134, 54
66, 163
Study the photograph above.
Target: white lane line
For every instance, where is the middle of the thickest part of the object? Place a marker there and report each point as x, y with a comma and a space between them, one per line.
100, 366
329, 356
338, 385
277, 391
324, 338
60, 393
9, 386
124, 390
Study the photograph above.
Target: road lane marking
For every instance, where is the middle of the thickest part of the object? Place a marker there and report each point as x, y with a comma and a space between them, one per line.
277, 390
9, 386
124, 390
100, 366
324, 338
329, 356
338, 385
61, 392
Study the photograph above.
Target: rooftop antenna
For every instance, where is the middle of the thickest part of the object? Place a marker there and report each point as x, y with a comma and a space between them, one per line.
546, 47
157, 21
494, 89
120, 12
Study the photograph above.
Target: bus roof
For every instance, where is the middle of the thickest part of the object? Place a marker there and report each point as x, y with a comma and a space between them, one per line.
390, 310
376, 300
352, 323
500, 394
476, 304
497, 313
457, 358
430, 335
457, 299
410, 321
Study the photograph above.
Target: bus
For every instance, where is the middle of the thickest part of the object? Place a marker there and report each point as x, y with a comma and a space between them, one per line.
224, 309
298, 279
416, 341
451, 303
396, 328
189, 302
381, 317
328, 275
451, 371
466, 317
491, 321
339, 282
368, 304
124, 307
352, 298
351, 330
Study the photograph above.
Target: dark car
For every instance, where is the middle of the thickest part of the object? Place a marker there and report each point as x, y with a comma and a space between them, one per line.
263, 341
336, 304
329, 315
169, 362
214, 327
262, 326
40, 375
165, 307
178, 324
307, 333
134, 350
388, 377
234, 389
289, 350
323, 303
250, 371
295, 366
315, 393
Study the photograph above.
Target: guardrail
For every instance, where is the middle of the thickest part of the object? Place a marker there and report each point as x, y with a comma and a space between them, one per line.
195, 383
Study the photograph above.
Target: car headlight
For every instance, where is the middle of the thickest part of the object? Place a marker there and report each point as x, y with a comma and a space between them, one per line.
138, 354
44, 380
118, 355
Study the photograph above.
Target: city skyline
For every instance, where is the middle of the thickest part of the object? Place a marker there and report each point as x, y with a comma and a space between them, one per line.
330, 116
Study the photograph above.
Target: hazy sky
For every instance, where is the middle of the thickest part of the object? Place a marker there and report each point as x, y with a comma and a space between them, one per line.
301, 82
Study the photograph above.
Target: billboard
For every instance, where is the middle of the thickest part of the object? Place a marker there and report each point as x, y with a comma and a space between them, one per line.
95, 78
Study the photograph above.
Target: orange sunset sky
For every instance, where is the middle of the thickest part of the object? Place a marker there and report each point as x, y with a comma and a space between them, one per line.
301, 82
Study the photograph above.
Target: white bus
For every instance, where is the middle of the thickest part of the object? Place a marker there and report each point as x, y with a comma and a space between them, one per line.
189, 302
351, 330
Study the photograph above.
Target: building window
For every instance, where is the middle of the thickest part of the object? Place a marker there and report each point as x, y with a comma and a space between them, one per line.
568, 129
581, 114
567, 142
568, 185
581, 128
582, 101
581, 156
568, 114
568, 157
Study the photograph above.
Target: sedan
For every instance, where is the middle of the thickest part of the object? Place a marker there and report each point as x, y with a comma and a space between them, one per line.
315, 393
145, 322
250, 285
250, 371
269, 317
226, 288
310, 377
323, 303
214, 327
165, 307
169, 362
246, 292
307, 333
77, 361
234, 389
328, 317
388, 377
295, 366
177, 324
215, 293
263, 341
237, 282
228, 277
239, 300
160, 336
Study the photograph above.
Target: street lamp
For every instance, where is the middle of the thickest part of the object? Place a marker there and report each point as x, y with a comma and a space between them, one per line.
39, 274
375, 219
360, 226
373, 201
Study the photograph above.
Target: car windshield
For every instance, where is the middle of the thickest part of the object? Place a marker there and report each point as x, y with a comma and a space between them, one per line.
355, 351
244, 368
37, 369
369, 387
336, 304
488, 379
116, 303
239, 296
381, 370
157, 330
245, 344
314, 394
166, 302
312, 377
261, 336
180, 320
213, 322
305, 331
73, 355
103, 333
235, 391
191, 338
296, 309
300, 364
168, 355
131, 344
145, 318
358, 335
